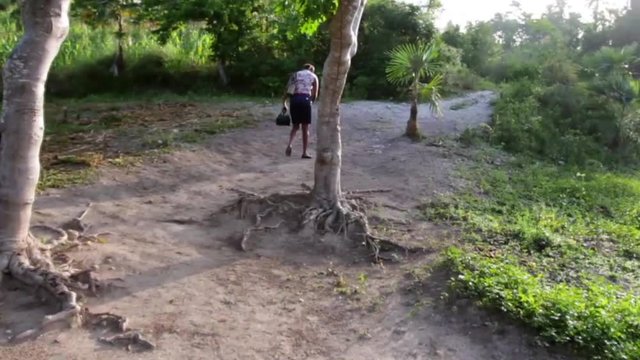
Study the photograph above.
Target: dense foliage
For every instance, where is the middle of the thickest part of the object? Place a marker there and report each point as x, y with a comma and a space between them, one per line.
551, 238
569, 86
246, 47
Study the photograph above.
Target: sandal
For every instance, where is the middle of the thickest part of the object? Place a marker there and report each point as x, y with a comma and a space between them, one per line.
288, 151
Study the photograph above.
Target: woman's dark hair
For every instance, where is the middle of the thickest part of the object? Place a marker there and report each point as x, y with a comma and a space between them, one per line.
309, 67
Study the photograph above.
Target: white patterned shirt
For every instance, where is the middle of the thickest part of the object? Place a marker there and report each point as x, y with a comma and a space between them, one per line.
303, 82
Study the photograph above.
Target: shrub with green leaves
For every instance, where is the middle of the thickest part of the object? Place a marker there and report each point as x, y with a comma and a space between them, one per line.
569, 122
598, 318
556, 247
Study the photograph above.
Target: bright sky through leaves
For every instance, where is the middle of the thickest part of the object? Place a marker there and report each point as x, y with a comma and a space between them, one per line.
462, 11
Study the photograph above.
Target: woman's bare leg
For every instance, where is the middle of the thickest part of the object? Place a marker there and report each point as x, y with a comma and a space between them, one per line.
292, 136
305, 140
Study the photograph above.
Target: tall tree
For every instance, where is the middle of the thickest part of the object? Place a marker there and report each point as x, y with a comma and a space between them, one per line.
106, 12
343, 29
229, 21
46, 23
595, 6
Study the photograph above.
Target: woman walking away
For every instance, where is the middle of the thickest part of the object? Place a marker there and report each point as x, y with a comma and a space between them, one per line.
303, 91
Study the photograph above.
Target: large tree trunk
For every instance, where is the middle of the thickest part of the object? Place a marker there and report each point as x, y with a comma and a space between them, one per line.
344, 44
46, 24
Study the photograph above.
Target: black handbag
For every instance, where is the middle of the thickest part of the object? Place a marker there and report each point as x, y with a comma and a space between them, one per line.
283, 119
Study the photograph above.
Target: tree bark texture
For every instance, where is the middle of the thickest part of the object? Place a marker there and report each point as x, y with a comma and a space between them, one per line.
344, 45
46, 23
413, 131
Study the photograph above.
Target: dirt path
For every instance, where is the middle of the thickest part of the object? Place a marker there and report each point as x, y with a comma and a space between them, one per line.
291, 296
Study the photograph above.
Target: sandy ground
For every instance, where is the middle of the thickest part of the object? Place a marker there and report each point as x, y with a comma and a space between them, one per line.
291, 296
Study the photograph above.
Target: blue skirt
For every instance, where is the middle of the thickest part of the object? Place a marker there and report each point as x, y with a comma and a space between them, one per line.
300, 109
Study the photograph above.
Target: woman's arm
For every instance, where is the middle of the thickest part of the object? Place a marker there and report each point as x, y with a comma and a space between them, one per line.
315, 89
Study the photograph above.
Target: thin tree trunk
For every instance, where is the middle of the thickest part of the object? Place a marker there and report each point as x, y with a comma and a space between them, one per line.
46, 24
412, 130
117, 68
222, 73
412, 125
344, 27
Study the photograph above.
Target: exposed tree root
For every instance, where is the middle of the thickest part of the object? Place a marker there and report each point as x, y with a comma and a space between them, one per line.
56, 277
131, 341
58, 236
86, 280
38, 271
122, 336
347, 218
106, 321
256, 227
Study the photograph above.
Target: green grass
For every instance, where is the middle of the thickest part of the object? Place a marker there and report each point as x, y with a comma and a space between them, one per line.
73, 151
598, 318
165, 139
186, 46
63, 178
556, 247
223, 125
160, 96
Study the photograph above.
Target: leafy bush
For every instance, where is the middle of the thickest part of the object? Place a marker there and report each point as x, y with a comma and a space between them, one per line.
514, 66
150, 72
565, 121
585, 219
598, 318
555, 247
458, 79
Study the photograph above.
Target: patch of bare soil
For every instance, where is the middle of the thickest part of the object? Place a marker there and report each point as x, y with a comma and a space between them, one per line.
178, 274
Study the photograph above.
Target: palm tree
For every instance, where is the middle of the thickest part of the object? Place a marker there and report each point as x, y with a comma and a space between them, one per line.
409, 65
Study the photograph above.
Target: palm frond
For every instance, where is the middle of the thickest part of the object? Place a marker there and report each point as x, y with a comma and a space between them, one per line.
609, 60
431, 92
411, 62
